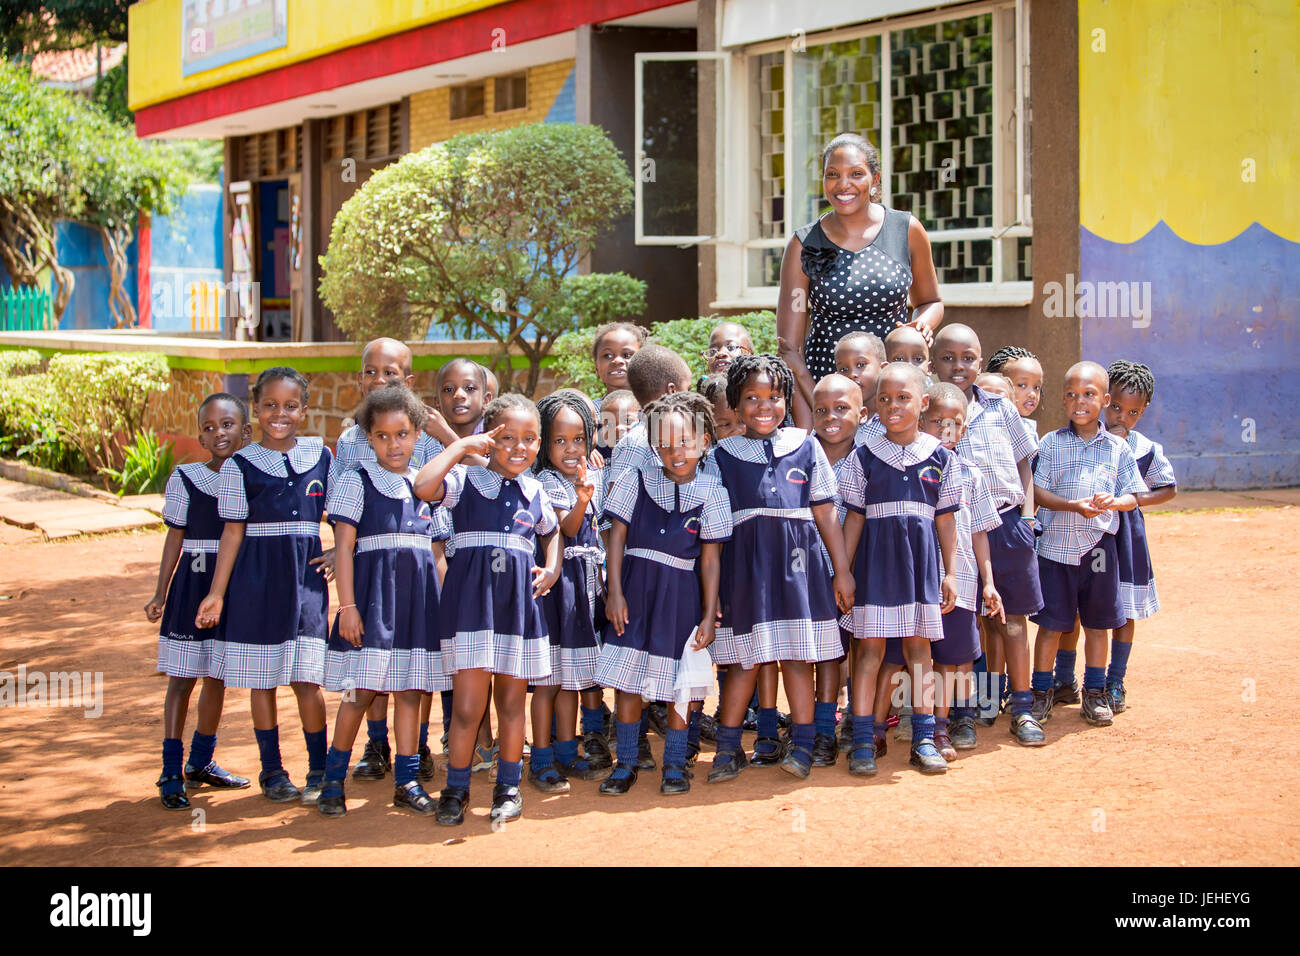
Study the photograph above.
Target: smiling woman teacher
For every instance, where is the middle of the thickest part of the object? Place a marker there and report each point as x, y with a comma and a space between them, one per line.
853, 270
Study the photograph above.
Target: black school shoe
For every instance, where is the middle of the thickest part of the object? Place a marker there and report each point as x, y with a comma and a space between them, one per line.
214, 777
1041, 708
549, 779
768, 752
411, 796
619, 782
333, 806
1063, 693
862, 760
825, 750
376, 760
727, 765
277, 787
451, 806
963, 733
709, 727
425, 772
1096, 707
173, 801
507, 804
680, 782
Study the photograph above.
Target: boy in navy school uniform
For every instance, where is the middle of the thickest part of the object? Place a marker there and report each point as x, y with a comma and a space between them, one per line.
1083, 478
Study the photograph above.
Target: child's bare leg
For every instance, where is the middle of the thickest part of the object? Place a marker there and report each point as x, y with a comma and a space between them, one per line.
261, 702
798, 690
378, 708
916, 651
945, 677
212, 700
426, 707
176, 706
470, 689
541, 710
348, 720
510, 693
736, 694
406, 721
1070, 638
830, 678
566, 714
767, 681
1015, 650
311, 706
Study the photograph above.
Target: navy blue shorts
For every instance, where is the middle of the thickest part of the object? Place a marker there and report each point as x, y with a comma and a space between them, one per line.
1015, 565
1088, 590
961, 639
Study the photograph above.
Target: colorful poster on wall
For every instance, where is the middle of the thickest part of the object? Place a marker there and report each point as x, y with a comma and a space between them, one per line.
217, 32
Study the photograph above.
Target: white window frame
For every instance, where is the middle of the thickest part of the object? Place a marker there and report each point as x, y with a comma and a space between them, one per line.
733, 290
720, 152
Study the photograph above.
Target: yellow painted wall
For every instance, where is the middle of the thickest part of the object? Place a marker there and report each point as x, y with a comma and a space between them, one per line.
431, 109
315, 27
1176, 99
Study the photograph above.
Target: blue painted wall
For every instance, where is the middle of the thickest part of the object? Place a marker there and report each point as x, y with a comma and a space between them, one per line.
187, 248
1222, 345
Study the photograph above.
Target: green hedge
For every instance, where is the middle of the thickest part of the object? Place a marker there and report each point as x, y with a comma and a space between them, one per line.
687, 337
29, 413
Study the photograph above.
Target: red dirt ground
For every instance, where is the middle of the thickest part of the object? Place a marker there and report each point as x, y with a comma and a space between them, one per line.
1198, 771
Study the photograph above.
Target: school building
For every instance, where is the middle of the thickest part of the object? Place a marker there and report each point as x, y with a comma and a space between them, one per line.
1099, 179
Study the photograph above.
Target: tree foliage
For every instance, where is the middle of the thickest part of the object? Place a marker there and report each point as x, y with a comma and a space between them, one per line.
482, 234
62, 158
28, 27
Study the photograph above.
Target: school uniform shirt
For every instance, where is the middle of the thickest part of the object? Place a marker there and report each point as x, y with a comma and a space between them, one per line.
996, 441
190, 504
633, 451
1074, 468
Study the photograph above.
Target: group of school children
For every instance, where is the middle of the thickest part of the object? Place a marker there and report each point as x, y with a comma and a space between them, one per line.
487, 547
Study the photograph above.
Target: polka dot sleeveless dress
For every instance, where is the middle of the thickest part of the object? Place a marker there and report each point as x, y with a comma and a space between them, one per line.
863, 291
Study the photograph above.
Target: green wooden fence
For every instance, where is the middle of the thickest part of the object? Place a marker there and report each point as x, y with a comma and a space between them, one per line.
23, 308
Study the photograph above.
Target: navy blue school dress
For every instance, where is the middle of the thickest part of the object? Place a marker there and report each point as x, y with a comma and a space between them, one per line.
190, 503
570, 607
394, 583
489, 619
899, 489
777, 600
666, 523
961, 640
1137, 581
277, 606
353, 447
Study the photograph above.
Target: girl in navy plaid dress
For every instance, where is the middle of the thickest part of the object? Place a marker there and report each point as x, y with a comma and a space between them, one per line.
184, 577
272, 497
668, 522
492, 632
384, 639
571, 609
779, 598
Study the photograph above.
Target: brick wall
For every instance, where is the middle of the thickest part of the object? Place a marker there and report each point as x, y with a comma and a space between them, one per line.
431, 110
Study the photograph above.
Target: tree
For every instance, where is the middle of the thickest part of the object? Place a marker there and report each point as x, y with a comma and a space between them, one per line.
28, 27
62, 158
482, 234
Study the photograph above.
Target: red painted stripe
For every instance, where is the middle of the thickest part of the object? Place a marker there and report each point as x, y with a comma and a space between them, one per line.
522, 21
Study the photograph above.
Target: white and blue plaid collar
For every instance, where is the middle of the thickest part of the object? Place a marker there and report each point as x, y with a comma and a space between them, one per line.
387, 483
302, 456
489, 483
899, 456
670, 496
755, 450
201, 477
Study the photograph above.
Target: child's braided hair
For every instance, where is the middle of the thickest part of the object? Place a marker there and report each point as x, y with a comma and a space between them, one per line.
692, 406
552, 405
746, 366
1008, 353
1132, 377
